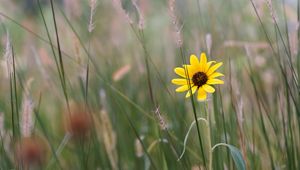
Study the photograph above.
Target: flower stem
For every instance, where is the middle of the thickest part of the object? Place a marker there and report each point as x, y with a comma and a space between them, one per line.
209, 139
194, 109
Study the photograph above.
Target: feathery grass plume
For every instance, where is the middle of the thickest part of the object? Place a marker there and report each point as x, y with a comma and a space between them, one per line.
240, 120
208, 40
27, 120
175, 22
108, 134
161, 120
8, 61
270, 6
118, 6
240, 112
121, 72
109, 138
93, 5
141, 24
139, 151
32, 152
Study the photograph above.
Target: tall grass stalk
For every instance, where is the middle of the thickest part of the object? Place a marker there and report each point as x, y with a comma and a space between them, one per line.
45, 133
277, 55
237, 106
59, 63
138, 137
224, 125
284, 72
262, 123
39, 37
64, 86
109, 85
99, 74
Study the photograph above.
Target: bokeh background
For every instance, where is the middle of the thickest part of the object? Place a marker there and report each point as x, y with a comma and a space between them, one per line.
103, 98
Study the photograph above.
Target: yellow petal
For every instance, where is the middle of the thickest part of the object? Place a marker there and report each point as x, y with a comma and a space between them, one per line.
208, 88
203, 62
182, 88
214, 75
180, 71
213, 68
194, 60
188, 94
215, 81
201, 94
208, 65
179, 81
191, 70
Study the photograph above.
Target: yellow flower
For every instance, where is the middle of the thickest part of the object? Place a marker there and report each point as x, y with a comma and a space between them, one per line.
199, 75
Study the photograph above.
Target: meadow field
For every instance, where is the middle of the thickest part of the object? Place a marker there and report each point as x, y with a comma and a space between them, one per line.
150, 84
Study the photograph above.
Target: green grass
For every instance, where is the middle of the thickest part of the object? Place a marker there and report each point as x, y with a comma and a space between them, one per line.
119, 75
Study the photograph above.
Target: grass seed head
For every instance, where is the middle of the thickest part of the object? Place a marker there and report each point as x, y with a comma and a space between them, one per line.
32, 152
78, 123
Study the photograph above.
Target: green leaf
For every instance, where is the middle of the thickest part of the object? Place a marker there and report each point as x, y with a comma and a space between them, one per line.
235, 154
237, 157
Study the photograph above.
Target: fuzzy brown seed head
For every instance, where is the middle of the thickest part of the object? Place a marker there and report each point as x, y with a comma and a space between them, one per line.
78, 123
32, 151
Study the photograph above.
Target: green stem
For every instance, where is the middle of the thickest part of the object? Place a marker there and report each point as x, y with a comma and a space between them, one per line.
186, 136
209, 139
219, 144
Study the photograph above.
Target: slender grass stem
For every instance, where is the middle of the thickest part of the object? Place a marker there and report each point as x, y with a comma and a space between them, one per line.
290, 129
209, 138
262, 120
44, 131
253, 141
277, 61
194, 108
100, 75
286, 28
224, 127
59, 64
13, 121
139, 138
235, 106
146, 57
60, 57
15, 92
286, 141
39, 37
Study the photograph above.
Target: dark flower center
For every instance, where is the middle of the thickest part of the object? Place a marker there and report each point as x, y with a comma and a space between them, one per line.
199, 79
